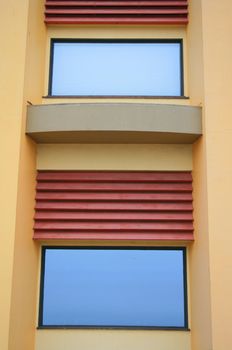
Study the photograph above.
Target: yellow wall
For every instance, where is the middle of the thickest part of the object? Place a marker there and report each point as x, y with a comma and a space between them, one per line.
112, 339
116, 32
199, 252
13, 44
22, 79
209, 36
114, 157
208, 81
199, 256
217, 53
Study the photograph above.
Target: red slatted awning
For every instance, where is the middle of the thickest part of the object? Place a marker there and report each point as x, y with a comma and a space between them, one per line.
114, 205
116, 12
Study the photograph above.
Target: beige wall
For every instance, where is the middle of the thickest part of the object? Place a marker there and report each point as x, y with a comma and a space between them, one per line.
114, 157
112, 339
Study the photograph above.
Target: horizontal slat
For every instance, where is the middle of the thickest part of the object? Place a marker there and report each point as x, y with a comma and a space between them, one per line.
115, 20
114, 176
109, 206
92, 205
116, 3
94, 196
158, 236
116, 12
103, 11
113, 226
77, 186
137, 216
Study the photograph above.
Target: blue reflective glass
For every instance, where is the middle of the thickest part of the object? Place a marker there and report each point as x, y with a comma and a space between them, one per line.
113, 287
111, 69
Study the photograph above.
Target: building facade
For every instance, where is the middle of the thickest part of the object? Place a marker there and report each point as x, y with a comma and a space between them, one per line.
123, 152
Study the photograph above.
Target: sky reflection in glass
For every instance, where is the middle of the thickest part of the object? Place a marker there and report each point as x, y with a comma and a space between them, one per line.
126, 69
112, 287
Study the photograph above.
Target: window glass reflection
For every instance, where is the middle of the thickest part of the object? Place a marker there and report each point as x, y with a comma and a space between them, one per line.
145, 69
113, 287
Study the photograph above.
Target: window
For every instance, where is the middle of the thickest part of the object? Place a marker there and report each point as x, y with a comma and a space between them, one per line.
113, 287
116, 68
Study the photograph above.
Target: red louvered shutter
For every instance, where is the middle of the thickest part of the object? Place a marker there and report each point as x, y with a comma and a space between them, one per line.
114, 205
116, 12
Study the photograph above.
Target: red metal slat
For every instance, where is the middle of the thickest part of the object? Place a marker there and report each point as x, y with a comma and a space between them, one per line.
113, 226
109, 176
111, 206
126, 3
85, 186
93, 205
144, 236
106, 216
104, 11
117, 12
94, 196
117, 20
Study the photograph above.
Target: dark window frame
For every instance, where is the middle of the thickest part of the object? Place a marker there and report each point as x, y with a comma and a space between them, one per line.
41, 296
68, 40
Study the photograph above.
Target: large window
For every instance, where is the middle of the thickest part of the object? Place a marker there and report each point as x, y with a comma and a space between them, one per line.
113, 287
116, 68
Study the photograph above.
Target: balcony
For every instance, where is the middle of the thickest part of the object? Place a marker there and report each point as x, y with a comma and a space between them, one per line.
114, 123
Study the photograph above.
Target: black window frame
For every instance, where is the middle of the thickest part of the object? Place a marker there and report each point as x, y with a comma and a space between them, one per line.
68, 40
41, 294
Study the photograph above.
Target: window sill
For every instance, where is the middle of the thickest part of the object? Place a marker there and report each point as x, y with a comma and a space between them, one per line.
116, 97
183, 329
